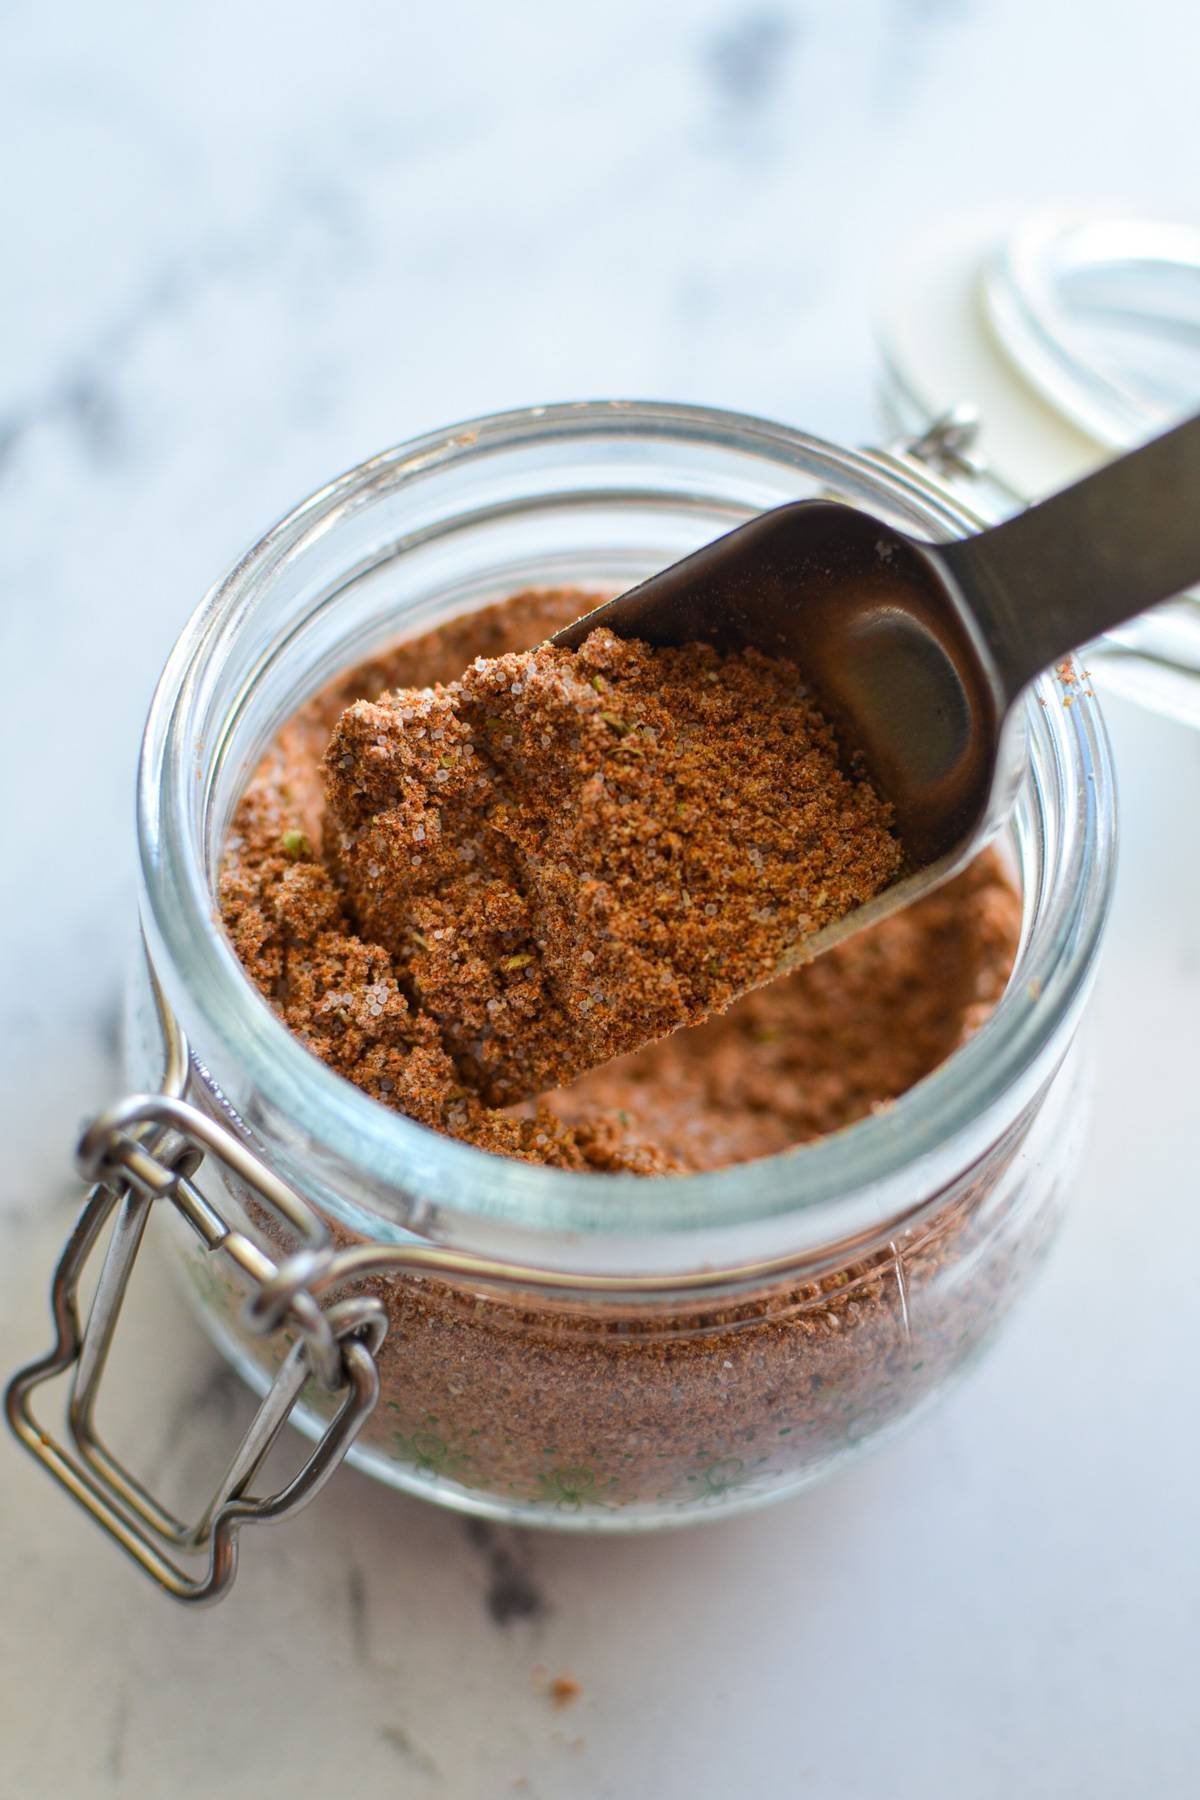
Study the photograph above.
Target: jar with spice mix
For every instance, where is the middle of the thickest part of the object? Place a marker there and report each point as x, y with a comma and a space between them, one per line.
698, 1279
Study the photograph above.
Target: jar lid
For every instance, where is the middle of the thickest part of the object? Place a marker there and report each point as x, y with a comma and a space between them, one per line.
1102, 318
1073, 335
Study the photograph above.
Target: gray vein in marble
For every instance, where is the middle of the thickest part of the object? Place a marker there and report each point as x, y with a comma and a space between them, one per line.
83, 397
89, 406
106, 1023
512, 1591
80, 397
357, 1607
114, 1755
745, 61
409, 1751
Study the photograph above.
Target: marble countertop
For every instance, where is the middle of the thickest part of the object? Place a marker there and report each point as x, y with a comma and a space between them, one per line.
245, 247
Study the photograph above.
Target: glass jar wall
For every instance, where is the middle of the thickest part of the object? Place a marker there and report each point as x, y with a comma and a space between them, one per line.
906, 1237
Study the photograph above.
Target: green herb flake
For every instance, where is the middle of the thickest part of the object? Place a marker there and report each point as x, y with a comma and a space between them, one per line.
296, 845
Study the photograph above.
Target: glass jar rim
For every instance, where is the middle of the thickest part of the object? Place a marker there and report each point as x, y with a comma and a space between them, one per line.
844, 1177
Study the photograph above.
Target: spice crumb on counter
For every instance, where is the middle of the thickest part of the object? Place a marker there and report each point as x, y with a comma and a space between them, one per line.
563, 1690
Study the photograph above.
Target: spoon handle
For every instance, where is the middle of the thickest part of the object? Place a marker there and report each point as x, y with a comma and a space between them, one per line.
1088, 558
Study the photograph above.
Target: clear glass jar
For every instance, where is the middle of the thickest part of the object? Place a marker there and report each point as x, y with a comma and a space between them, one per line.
847, 1280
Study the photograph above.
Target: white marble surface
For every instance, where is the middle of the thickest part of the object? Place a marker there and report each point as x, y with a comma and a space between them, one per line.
245, 245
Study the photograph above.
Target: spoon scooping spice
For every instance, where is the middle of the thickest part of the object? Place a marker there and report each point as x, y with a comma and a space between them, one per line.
917, 652
797, 730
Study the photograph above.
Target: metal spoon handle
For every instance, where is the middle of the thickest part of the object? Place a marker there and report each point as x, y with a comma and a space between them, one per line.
1058, 575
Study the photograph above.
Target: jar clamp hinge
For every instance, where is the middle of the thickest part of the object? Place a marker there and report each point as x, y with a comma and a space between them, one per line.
943, 460
947, 445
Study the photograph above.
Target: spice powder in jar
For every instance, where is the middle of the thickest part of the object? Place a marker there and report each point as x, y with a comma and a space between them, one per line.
570, 854
531, 1399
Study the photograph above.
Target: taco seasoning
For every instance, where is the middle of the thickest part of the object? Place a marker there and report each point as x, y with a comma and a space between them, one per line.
552, 1407
570, 854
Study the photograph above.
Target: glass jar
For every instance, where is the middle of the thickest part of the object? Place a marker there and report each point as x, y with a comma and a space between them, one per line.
594, 1352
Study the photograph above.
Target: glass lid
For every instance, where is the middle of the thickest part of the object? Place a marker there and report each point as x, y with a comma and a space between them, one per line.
1102, 316
1071, 335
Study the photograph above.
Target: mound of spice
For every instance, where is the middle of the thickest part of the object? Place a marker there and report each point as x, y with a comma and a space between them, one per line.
568, 1408
805, 1055
342, 996
570, 854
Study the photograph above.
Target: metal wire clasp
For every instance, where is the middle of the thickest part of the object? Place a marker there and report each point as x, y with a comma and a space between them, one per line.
147, 1149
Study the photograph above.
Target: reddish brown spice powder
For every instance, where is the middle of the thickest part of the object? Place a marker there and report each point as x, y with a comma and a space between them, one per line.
572, 1408
809, 1053
570, 854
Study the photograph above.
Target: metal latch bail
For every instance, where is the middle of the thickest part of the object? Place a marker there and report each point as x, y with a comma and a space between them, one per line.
145, 1149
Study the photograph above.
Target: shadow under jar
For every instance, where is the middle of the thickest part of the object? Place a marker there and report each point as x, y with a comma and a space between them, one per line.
896, 1246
